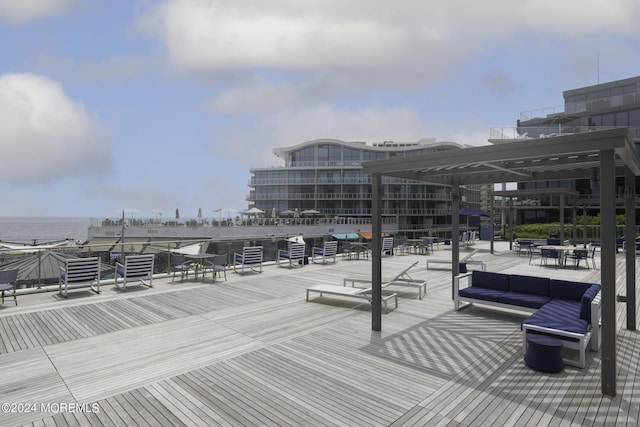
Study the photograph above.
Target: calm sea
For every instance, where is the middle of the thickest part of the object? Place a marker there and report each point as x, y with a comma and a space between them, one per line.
43, 229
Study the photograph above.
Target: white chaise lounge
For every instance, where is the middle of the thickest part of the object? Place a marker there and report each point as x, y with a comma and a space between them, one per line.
401, 279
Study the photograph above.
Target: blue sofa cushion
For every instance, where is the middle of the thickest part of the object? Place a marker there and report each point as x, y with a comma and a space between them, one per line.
585, 303
485, 294
529, 285
490, 280
524, 300
565, 289
559, 314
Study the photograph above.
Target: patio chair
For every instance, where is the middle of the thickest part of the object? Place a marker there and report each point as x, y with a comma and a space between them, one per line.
178, 264
250, 259
576, 255
347, 249
8, 279
427, 245
135, 267
294, 256
549, 254
79, 272
387, 246
217, 265
324, 254
400, 245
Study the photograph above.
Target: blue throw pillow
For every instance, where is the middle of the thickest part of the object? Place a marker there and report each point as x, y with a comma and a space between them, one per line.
587, 298
565, 289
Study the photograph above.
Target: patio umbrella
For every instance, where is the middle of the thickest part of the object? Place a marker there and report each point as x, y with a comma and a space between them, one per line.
310, 212
177, 213
254, 211
273, 213
287, 212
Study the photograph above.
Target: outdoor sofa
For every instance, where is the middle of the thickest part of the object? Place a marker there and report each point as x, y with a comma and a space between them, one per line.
568, 311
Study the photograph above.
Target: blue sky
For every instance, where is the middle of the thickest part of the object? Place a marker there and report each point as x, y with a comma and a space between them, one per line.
148, 106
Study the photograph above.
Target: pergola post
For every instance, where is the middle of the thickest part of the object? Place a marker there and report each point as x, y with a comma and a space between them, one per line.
608, 270
376, 252
630, 233
455, 231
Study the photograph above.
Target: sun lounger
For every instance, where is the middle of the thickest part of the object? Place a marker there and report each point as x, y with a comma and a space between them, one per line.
466, 260
401, 279
358, 293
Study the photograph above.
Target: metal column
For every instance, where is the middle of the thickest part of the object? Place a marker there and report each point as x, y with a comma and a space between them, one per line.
608, 270
376, 252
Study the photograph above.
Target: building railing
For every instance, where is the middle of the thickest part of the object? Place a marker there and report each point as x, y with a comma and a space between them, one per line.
538, 132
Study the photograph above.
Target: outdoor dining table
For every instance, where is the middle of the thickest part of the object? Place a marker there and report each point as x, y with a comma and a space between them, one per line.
199, 261
359, 248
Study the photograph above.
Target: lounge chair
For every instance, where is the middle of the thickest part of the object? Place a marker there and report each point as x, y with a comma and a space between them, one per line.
324, 254
400, 279
358, 293
79, 272
293, 257
465, 262
250, 259
8, 280
135, 267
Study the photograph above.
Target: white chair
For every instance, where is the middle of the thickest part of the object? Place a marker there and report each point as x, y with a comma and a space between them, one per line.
326, 253
294, 256
387, 246
135, 267
250, 259
79, 272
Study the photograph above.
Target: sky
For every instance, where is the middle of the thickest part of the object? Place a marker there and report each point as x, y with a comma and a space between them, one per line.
146, 106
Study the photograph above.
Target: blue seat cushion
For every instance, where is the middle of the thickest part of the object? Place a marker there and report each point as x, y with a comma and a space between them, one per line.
120, 271
490, 280
524, 300
565, 289
559, 314
587, 299
485, 294
529, 285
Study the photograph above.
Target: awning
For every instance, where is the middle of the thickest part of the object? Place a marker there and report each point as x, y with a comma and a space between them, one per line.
345, 236
369, 234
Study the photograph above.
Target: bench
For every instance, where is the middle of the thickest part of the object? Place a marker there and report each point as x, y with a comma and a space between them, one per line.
568, 311
358, 293
79, 272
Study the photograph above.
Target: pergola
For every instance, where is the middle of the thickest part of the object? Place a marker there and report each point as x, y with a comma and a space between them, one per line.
605, 154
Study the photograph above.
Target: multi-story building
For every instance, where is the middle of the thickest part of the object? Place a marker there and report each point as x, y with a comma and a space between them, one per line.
325, 175
601, 106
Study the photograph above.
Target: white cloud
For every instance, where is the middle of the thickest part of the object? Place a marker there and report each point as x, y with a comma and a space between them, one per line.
359, 36
21, 11
44, 134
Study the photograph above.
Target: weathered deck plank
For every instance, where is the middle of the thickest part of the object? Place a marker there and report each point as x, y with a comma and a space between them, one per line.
251, 351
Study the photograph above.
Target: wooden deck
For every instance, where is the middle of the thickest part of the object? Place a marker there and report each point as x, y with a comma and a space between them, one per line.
251, 351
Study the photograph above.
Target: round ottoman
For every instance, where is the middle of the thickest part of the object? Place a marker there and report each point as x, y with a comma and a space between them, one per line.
544, 353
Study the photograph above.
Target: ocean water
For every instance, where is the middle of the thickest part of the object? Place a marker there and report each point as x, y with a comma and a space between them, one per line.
43, 229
